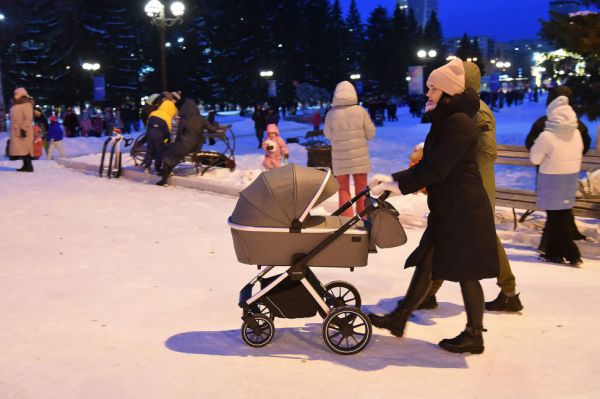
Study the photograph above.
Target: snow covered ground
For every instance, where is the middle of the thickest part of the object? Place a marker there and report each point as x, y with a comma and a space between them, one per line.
112, 288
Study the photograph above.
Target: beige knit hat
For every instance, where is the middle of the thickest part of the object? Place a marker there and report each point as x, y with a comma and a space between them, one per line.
449, 78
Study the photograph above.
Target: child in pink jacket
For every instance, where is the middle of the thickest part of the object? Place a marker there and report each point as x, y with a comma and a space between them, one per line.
274, 147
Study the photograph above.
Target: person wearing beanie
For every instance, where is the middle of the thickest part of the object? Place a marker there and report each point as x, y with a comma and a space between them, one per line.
274, 147
536, 129
459, 243
508, 299
21, 129
55, 138
349, 128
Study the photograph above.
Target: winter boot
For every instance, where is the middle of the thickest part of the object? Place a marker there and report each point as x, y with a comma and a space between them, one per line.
27, 164
470, 340
395, 321
429, 302
504, 303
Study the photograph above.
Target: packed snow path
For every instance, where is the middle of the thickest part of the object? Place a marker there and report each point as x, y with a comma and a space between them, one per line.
114, 289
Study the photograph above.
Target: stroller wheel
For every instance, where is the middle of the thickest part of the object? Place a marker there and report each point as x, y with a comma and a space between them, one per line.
346, 330
341, 293
260, 334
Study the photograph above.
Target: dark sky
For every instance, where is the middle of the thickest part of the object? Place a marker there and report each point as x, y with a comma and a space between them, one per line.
500, 19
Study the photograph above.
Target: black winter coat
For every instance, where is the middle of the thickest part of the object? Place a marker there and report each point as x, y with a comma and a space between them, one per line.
260, 119
190, 133
460, 226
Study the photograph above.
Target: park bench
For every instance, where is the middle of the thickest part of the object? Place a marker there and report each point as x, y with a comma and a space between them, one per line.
525, 200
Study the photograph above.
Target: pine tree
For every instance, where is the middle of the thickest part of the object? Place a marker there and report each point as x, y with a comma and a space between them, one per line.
402, 49
377, 51
355, 40
110, 36
41, 53
433, 39
580, 34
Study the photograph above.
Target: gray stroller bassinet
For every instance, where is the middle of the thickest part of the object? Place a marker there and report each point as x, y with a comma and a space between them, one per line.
271, 225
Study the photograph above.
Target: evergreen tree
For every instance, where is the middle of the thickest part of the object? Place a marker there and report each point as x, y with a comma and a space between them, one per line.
401, 48
377, 51
338, 41
579, 34
320, 59
110, 36
433, 39
355, 40
463, 51
41, 55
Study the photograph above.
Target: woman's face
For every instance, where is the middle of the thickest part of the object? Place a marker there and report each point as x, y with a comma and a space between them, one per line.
433, 97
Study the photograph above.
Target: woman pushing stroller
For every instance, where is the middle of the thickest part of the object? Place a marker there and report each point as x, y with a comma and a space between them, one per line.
459, 243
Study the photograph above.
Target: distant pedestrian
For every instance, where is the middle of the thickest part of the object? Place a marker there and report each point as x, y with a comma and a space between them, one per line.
559, 151
21, 129
70, 122
349, 128
260, 122
316, 120
55, 138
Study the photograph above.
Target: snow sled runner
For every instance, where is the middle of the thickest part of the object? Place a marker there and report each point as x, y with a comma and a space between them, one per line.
287, 235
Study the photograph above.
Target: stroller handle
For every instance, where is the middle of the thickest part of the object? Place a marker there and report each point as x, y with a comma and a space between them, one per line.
365, 191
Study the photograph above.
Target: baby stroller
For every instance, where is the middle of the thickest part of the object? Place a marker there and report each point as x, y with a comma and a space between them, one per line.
271, 226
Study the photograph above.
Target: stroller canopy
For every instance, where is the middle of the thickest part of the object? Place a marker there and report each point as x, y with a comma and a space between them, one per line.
281, 195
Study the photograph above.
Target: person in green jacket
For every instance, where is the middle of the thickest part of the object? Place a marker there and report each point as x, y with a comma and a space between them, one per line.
508, 299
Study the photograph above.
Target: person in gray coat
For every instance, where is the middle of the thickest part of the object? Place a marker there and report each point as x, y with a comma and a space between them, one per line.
21, 129
558, 150
349, 127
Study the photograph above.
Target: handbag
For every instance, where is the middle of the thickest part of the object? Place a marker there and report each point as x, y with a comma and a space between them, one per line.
386, 229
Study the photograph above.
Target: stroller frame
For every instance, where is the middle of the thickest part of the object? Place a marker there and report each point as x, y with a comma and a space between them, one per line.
341, 311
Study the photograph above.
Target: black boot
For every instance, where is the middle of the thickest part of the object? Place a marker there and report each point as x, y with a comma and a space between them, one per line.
27, 164
470, 340
395, 321
429, 302
504, 303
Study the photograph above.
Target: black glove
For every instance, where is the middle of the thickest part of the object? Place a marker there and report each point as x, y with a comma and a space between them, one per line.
23, 133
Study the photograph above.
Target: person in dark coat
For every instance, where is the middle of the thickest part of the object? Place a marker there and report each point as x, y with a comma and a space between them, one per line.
190, 137
272, 117
536, 129
70, 122
260, 123
459, 243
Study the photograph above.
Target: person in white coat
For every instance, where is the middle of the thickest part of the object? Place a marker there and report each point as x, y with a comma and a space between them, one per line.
558, 150
349, 127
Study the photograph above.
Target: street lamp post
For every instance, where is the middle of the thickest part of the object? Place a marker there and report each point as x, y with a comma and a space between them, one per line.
271, 83
156, 11
91, 68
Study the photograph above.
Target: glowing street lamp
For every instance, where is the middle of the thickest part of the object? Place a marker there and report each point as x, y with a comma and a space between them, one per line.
355, 76
266, 74
421, 53
155, 10
90, 66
